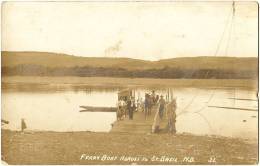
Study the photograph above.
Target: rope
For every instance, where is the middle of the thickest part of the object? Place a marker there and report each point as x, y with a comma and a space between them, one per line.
222, 36
229, 34
232, 13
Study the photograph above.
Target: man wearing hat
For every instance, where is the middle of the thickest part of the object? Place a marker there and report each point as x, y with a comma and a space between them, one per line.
161, 107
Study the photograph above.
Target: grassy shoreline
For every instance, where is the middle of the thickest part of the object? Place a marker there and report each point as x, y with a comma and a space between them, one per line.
130, 82
68, 147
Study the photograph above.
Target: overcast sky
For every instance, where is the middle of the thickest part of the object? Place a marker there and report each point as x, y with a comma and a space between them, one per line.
139, 30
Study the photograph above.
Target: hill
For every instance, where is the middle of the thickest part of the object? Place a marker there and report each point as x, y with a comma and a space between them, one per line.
10, 59
53, 64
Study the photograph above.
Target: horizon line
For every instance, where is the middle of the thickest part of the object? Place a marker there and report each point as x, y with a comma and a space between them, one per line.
120, 57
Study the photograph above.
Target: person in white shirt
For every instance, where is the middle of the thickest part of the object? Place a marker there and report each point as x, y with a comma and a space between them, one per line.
121, 109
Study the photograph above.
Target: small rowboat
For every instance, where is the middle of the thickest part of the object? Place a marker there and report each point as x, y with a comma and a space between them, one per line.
97, 109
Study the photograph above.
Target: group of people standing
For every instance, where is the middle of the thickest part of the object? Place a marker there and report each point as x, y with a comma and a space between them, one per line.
165, 110
153, 102
149, 102
162, 110
126, 107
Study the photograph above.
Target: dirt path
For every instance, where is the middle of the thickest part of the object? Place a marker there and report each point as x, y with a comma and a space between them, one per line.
70, 147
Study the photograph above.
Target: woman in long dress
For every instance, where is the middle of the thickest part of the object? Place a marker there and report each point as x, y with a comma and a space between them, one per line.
171, 116
157, 119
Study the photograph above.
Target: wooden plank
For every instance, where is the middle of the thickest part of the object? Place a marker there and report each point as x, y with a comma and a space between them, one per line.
138, 125
235, 108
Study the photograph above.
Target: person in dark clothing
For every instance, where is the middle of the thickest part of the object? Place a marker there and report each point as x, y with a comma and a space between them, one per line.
131, 108
23, 125
146, 105
157, 98
153, 98
128, 104
161, 107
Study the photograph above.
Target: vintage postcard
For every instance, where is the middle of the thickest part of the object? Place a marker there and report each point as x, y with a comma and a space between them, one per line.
129, 83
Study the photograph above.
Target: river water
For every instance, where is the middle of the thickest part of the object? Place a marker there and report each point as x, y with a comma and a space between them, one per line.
58, 110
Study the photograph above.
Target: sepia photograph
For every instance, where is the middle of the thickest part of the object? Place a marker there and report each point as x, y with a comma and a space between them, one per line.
129, 82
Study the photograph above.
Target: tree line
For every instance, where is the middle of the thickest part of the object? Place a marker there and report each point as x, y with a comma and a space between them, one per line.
166, 72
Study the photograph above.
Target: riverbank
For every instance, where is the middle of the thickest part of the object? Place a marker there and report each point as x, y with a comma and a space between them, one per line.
119, 148
8, 81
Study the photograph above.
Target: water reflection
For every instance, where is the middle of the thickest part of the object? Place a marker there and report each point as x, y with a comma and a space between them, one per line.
57, 111
55, 88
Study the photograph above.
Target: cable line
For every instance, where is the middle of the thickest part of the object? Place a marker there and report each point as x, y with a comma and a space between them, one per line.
232, 15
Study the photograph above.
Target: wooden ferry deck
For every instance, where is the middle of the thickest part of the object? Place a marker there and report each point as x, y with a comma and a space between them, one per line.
139, 125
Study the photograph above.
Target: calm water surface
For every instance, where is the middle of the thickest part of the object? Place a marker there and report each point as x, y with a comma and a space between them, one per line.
59, 110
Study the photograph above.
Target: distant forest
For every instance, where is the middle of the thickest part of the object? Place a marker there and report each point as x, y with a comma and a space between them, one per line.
166, 72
